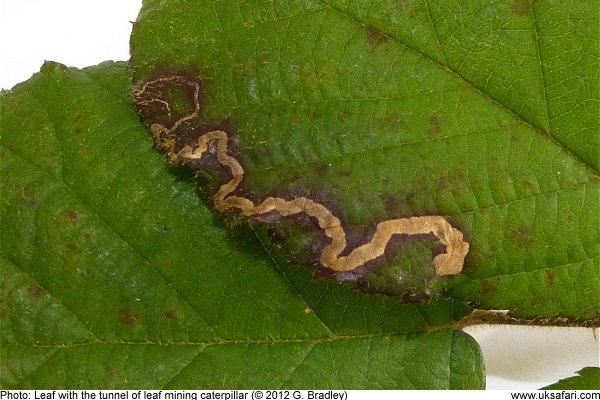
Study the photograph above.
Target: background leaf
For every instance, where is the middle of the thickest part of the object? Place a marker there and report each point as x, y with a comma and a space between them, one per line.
483, 112
586, 379
114, 275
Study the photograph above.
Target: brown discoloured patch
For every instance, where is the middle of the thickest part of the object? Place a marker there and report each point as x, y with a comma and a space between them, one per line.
402, 4
78, 125
88, 238
453, 181
172, 315
522, 237
374, 37
73, 216
521, 7
127, 317
320, 168
399, 204
435, 126
394, 121
487, 288
308, 75
393, 203
411, 10
35, 291
550, 277
32, 201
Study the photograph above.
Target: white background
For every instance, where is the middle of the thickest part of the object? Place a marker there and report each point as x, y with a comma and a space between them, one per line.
85, 32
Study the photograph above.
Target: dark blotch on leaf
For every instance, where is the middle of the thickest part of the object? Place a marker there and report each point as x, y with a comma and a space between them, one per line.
398, 205
487, 287
127, 317
320, 167
452, 181
172, 315
374, 37
73, 216
35, 291
435, 126
521, 7
412, 10
550, 277
522, 237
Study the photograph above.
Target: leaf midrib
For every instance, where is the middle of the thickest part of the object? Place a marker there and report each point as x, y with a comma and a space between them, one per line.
227, 342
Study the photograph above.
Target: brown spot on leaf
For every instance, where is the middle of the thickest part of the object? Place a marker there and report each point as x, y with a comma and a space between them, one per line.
320, 168
399, 204
88, 238
374, 37
127, 317
412, 10
435, 126
487, 287
522, 237
550, 277
35, 291
73, 216
172, 315
388, 122
521, 7
452, 181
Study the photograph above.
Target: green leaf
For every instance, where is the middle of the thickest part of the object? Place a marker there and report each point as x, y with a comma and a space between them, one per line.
485, 113
115, 275
586, 379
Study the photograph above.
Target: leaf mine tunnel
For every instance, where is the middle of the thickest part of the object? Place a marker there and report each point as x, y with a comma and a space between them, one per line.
171, 106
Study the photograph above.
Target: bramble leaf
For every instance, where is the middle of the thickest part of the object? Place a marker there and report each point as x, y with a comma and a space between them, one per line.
586, 379
114, 275
481, 113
